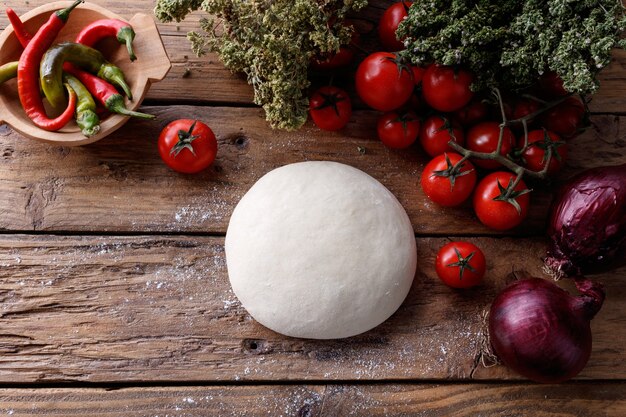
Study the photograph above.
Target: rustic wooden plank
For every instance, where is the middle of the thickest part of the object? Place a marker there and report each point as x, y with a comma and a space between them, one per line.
120, 184
106, 309
462, 400
208, 81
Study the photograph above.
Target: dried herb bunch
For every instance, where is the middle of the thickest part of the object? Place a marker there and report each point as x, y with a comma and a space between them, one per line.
271, 41
509, 44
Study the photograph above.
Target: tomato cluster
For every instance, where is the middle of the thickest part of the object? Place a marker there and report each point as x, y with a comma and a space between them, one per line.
435, 106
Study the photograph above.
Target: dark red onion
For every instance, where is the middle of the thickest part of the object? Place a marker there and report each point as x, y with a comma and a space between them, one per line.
588, 222
542, 332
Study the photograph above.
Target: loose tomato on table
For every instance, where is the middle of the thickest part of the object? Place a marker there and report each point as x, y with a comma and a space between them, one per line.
339, 59
436, 132
492, 205
383, 82
460, 264
447, 183
565, 119
388, 25
330, 108
535, 155
484, 138
398, 130
446, 89
187, 146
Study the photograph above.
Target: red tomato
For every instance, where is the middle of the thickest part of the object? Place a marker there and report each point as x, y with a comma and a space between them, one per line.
484, 138
565, 118
524, 107
551, 85
398, 131
388, 25
445, 88
436, 132
539, 141
476, 111
500, 214
339, 59
460, 264
382, 83
418, 74
330, 108
447, 184
187, 146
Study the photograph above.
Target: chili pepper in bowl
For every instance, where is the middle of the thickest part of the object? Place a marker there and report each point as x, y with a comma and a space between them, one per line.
28, 77
106, 94
106, 28
51, 68
22, 35
8, 71
86, 117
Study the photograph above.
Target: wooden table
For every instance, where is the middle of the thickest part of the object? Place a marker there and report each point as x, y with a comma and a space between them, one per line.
115, 298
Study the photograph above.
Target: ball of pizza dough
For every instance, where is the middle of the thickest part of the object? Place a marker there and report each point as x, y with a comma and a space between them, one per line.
320, 250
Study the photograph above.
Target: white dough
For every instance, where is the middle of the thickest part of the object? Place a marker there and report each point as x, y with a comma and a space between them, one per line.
320, 250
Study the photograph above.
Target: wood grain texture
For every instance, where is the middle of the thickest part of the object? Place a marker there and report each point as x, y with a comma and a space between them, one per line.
133, 309
397, 400
206, 80
121, 185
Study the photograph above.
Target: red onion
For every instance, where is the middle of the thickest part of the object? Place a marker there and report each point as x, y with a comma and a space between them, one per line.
588, 222
542, 332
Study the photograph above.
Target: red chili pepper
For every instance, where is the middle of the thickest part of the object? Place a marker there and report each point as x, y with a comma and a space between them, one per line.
28, 73
105, 93
21, 33
106, 28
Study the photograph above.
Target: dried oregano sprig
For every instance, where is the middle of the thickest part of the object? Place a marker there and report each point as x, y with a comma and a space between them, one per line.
508, 44
271, 41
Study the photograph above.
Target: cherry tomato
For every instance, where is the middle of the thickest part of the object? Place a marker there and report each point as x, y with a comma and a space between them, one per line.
500, 214
565, 118
418, 74
388, 25
383, 83
524, 107
476, 111
398, 131
446, 183
484, 138
445, 88
460, 264
330, 108
539, 141
340, 59
551, 85
187, 146
436, 132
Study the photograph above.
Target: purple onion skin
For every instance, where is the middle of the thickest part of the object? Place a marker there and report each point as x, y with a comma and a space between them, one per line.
542, 332
587, 226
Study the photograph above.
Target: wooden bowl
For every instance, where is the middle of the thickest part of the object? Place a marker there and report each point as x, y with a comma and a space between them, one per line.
152, 65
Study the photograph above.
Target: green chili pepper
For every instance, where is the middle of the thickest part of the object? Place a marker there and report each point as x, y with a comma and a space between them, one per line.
51, 69
8, 71
86, 117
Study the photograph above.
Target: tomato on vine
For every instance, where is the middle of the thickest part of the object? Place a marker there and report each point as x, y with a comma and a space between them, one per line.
447, 181
447, 89
187, 146
460, 264
398, 130
535, 155
565, 119
383, 82
474, 112
330, 108
388, 25
499, 203
436, 132
484, 138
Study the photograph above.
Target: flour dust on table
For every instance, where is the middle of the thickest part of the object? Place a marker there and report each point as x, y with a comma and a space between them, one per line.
320, 250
